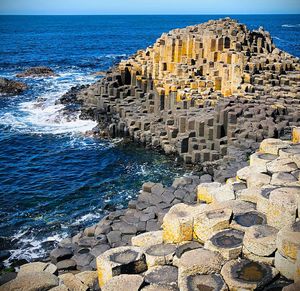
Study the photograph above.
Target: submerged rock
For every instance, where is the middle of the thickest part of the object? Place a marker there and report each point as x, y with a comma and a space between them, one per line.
11, 87
37, 72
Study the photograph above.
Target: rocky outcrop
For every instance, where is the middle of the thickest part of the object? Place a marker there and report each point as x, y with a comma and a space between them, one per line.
208, 93
37, 72
10, 87
191, 236
212, 94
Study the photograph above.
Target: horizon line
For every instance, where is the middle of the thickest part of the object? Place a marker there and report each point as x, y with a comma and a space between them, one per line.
153, 14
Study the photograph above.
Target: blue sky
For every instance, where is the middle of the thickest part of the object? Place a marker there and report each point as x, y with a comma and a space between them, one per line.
149, 7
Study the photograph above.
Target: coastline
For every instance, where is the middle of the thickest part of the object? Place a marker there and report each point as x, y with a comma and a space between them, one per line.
212, 131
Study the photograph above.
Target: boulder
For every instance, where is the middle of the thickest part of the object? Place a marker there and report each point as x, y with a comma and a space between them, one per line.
259, 161
37, 72
10, 87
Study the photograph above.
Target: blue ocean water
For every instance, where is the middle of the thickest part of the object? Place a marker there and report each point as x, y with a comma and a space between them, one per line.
53, 179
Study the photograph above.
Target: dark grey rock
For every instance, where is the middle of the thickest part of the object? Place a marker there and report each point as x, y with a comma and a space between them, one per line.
11, 87
99, 249
114, 236
162, 275
60, 254
66, 265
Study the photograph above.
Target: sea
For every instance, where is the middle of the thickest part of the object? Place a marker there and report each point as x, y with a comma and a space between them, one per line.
55, 180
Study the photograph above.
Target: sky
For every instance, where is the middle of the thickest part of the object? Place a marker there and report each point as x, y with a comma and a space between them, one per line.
81, 7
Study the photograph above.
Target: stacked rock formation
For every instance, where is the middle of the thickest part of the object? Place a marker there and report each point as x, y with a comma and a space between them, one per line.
203, 92
242, 235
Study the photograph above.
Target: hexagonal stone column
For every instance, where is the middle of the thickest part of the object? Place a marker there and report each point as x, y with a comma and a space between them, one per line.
288, 241
160, 254
247, 275
121, 260
260, 161
282, 207
199, 261
244, 220
178, 223
210, 221
261, 240
272, 146
203, 282
228, 243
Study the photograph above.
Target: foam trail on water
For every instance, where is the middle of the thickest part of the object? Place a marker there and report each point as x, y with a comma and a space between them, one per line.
291, 25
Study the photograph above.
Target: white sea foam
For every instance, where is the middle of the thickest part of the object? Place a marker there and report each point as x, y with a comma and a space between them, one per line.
32, 248
291, 25
86, 217
43, 116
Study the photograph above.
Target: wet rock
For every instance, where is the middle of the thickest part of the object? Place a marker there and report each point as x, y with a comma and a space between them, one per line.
121, 260
32, 282
227, 242
4, 255
245, 220
162, 275
247, 275
11, 87
202, 282
187, 247
7, 277
124, 283
37, 72
60, 254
